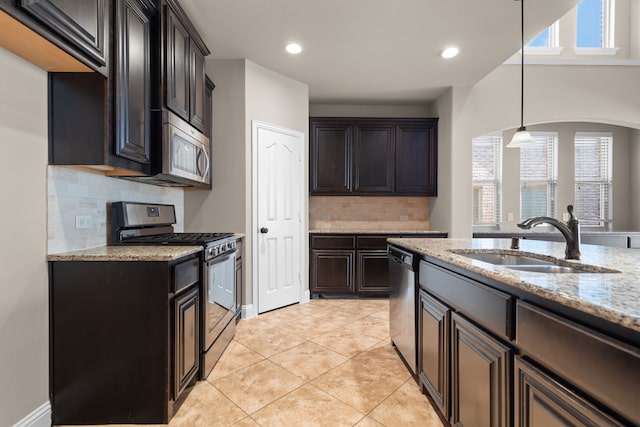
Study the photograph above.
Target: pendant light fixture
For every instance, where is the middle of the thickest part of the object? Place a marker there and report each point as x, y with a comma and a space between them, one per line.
522, 137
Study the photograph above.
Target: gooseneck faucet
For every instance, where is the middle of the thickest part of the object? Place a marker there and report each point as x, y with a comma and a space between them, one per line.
570, 231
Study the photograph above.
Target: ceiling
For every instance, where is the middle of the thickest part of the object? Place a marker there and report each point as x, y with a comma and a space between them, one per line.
372, 51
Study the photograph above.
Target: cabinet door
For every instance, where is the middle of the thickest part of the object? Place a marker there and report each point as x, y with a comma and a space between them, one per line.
541, 401
177, 60
133, 73
80, 22
433, 350
480, 377
197, 88
332, 271
416, 159
330, 157
208, 108
187, 344
374, 162
373, 272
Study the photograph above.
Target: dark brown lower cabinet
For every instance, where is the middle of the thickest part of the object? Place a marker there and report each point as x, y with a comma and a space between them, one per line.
480, 377
332, 271
124, 339
352, 264
542, 401
187, 342
433, 344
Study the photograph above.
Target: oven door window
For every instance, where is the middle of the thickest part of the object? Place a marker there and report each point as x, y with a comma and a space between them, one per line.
221, 288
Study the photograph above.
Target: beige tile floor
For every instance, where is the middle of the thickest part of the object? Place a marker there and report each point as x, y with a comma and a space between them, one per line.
325, 363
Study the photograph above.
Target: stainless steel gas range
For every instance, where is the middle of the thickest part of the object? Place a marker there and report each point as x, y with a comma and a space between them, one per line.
152, 224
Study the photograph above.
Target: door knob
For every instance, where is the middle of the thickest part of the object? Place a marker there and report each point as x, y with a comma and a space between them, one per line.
264, 230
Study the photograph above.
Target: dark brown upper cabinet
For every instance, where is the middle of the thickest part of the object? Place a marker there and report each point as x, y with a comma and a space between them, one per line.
104, 123
133, 79
330, 155
365, 156
81, 23
373, 158
184, 68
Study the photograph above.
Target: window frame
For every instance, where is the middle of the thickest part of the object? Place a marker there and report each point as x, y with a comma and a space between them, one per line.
607, 34
554, 47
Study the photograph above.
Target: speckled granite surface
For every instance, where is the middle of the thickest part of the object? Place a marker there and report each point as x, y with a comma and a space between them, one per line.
127, 253
614, 296
371, 231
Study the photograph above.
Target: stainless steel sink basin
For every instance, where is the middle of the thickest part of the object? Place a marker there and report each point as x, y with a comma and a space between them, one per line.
551, 268
531, 263
506, 259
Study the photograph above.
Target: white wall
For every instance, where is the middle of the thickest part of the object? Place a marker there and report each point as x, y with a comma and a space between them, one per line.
244, 92
553, 94
24, 338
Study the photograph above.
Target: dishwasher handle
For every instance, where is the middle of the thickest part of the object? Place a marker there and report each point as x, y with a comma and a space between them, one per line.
401, 257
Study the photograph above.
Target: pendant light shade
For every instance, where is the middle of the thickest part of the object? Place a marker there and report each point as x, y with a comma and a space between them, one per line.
522, 138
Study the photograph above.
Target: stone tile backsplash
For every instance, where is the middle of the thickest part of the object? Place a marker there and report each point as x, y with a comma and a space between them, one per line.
72, 192
368, 212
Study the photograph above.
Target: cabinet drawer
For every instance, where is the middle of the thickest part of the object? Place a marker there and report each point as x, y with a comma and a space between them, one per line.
333, 242
186, 273
604, 368
487, 306
372, 242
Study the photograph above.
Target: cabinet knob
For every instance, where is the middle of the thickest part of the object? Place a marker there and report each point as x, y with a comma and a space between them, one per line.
264, 230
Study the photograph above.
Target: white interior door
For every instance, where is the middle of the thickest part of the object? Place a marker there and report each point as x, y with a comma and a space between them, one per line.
280, 205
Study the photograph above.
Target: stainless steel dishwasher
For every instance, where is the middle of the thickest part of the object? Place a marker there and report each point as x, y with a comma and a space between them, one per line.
402, 305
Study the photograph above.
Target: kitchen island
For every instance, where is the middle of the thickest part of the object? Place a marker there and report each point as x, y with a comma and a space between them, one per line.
517, 347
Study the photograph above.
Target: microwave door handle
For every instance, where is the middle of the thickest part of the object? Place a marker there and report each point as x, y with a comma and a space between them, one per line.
207, 162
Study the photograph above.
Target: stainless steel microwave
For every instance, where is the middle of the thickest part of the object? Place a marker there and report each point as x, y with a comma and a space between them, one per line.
185, 150
185, 158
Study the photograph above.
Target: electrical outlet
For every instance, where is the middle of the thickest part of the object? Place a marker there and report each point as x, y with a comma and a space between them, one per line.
510, 216
565, 216
404, 217
84, 221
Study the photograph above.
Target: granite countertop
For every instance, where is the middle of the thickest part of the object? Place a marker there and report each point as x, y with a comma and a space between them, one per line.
127, 253
549, 231
372, 231
613, 296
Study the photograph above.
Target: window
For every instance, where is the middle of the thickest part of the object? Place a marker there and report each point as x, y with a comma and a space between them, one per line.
595, 24
487, 178
593, 178
539, 176
547, 38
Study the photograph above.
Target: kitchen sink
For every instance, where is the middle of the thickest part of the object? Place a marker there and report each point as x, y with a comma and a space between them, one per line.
531, 263
506, 259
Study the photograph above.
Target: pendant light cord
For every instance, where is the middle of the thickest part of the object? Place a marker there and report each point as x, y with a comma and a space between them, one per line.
521, 64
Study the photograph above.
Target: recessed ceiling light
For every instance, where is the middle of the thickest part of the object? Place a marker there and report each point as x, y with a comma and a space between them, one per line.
294, 48
450, 52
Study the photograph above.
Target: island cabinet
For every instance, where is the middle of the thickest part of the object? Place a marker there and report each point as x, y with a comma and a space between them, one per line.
353, 156
351, 264
124, 339
488, 357
104, 123
183, 71
466, 368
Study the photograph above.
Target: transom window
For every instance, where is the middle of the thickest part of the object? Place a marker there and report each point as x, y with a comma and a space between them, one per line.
487, 179
547, 38
539, 176
593, 178
595, 24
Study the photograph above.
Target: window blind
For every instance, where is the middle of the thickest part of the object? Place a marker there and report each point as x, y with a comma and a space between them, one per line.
539, 176
487, 177
593, 178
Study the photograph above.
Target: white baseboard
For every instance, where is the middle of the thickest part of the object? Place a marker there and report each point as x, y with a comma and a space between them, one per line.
249, 311
306, 297
39, 417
